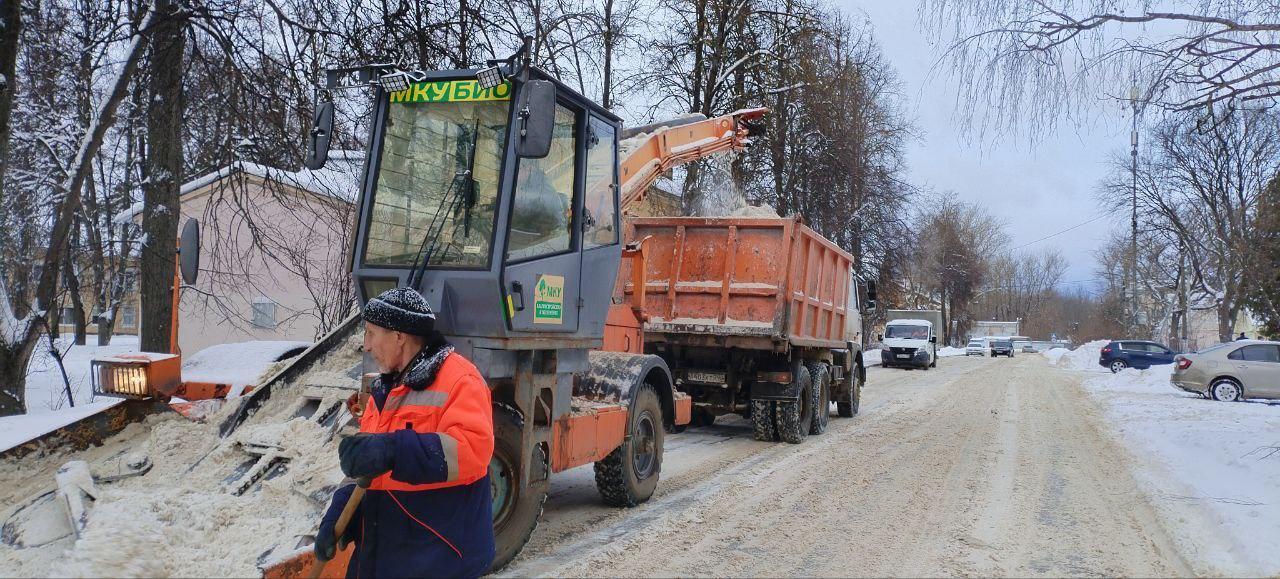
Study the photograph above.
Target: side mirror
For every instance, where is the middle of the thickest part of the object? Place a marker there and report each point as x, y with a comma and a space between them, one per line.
879, 337
321, 134
537, 117
189, 251
933, 339
870, 302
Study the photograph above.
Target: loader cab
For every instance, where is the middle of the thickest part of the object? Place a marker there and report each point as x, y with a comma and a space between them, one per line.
518, 250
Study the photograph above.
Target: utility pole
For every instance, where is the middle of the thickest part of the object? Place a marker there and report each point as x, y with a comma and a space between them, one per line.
1133, 234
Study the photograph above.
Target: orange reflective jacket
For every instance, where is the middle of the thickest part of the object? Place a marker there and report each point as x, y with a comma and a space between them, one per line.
456, 406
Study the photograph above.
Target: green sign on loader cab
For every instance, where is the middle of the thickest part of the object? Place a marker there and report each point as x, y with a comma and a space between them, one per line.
548, 300
451, 91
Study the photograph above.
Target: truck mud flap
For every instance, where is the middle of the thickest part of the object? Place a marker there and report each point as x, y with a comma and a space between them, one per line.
773, 391
89, 431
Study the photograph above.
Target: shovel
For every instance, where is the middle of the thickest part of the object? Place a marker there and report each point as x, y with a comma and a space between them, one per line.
344, 519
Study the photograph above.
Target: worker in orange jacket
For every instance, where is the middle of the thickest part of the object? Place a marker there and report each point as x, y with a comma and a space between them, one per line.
425, 442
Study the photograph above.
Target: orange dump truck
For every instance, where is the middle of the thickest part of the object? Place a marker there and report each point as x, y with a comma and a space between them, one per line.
755, 316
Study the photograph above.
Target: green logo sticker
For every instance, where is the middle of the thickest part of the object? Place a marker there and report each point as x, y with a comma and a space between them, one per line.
548, 300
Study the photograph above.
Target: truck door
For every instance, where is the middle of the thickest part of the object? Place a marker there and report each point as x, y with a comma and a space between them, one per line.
542, 264
601, 235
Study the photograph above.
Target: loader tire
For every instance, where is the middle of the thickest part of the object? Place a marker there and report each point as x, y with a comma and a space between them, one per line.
629, 475
821, 397
851, 398
515, 510
794, 417
762, 418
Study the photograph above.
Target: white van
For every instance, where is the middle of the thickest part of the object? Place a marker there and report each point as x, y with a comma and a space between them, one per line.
909, 343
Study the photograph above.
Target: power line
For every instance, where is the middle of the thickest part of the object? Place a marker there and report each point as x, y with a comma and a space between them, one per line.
1051, 235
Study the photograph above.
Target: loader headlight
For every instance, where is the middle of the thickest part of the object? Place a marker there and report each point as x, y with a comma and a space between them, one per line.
490, 77
394, 81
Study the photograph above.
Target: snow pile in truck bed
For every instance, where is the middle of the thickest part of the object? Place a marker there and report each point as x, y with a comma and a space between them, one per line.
1212, 469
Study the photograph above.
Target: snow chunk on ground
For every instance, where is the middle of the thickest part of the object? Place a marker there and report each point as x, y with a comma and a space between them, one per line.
948, 351
1212, 469
239, 364
871, 357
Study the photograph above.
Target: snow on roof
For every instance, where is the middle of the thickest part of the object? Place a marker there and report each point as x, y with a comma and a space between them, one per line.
238, 364
339, 179
909, 322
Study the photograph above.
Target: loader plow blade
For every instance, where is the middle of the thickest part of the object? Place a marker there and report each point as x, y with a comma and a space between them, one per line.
88, 431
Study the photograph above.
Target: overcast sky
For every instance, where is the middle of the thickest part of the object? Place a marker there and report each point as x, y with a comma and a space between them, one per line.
1036, 189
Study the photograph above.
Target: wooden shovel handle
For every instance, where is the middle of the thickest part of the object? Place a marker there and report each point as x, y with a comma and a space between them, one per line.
348, 511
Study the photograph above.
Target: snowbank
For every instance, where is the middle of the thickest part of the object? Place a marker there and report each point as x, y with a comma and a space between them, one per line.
1084, 357
871, 357
1212, 469
949, 351
238, 364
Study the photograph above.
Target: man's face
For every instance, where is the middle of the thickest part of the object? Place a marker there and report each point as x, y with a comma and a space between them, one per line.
385, 346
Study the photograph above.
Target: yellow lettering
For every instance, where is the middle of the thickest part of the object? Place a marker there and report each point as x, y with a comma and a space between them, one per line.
400, 96
419, 92
502, 91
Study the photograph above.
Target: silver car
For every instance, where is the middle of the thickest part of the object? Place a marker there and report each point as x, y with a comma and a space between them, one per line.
1231, 371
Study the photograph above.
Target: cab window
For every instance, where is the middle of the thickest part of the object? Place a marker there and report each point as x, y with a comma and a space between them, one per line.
600, 207
541, 218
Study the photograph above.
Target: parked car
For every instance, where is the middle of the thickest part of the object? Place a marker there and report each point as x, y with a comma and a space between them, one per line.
975, 348
1139, 354
1231, 371
1001, 348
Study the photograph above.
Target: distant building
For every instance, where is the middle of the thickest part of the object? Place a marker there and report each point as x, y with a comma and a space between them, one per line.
274, 251
983, 329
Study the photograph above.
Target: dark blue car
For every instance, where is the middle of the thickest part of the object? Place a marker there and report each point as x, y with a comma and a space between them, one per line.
1139, 354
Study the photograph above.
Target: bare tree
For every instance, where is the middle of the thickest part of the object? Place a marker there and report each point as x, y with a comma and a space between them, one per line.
25, 331
1198, 194
1034, 61
160, 210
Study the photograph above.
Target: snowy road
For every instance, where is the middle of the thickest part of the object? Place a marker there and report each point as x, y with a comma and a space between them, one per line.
979, 467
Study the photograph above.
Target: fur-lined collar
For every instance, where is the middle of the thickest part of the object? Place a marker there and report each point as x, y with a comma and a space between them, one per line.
421, 371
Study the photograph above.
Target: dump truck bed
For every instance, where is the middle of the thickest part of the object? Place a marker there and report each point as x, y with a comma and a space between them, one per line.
746, 282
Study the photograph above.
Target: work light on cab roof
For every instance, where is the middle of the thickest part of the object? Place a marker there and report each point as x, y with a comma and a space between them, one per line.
490, 77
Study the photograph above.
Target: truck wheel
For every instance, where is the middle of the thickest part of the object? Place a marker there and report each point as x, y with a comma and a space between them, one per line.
849, 401
821, 397
629, 475
794, 417
515, 510
762, 418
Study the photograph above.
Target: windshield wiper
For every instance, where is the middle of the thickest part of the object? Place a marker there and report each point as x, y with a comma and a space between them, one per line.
449, 202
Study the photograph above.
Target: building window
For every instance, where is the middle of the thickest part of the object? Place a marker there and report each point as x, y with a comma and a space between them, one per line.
68, 315
129, 316
264, 312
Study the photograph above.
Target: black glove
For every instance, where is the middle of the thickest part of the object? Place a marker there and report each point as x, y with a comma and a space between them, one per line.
366, 455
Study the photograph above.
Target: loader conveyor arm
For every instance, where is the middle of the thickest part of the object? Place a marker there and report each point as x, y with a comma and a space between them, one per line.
684, 140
